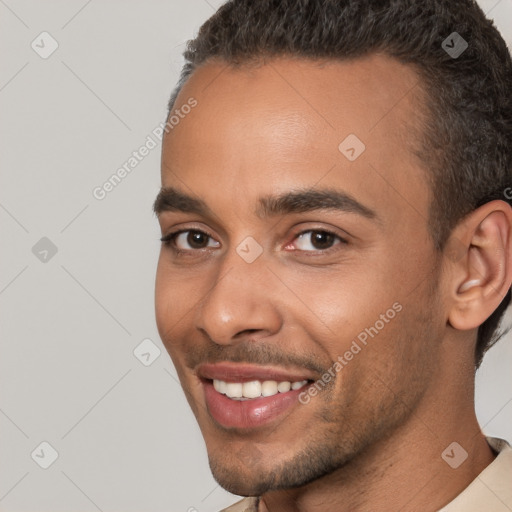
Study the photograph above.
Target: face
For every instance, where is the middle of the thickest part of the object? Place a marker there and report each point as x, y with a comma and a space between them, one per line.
296, 288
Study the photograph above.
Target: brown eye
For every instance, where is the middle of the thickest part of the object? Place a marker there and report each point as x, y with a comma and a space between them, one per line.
190, 240
197, 239
316, 240
322, 239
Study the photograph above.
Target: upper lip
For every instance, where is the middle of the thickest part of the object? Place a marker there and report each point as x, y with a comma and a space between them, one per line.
243, 372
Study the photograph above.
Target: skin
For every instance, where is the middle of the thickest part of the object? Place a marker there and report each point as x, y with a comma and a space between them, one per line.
373, 438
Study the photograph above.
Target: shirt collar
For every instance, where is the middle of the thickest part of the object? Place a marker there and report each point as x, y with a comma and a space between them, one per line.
492, 488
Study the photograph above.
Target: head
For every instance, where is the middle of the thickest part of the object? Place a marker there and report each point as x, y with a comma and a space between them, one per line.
334, 211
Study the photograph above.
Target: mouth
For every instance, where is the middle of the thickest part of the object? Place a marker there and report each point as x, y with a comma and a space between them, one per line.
244, 397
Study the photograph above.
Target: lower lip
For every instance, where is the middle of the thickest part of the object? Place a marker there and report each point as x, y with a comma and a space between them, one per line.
251, 413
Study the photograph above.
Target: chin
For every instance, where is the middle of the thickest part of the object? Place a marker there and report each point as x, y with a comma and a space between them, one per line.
250, 473
247, 481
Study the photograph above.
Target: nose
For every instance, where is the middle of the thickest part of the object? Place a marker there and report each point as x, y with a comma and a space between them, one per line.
239, 303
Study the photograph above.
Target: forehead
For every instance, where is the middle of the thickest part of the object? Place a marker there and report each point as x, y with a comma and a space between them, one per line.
294, 122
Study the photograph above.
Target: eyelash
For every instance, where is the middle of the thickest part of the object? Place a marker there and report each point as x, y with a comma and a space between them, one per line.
170, 238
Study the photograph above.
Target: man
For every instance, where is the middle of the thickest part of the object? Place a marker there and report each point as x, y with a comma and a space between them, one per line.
337, 251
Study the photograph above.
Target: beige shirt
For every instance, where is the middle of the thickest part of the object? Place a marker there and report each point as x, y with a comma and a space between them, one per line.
490, 491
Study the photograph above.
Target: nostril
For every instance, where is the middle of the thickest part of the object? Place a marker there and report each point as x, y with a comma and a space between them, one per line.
246, 332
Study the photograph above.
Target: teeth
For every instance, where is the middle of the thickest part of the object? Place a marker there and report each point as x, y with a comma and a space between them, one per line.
251, 389
269, 388
283, 387
219, 386
234, 389
255, 388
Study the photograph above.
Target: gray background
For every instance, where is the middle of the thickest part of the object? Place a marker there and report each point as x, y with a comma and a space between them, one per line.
125, 437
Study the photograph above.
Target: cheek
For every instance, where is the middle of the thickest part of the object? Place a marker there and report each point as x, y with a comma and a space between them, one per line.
380, 376
172, 302
399, 359
163, 298
365, 300
176, 290
344, 304
373, 330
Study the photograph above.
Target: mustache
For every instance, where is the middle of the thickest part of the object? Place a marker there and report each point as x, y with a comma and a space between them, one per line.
253, 352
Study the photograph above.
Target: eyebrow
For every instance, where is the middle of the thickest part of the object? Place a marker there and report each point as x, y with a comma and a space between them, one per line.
297, 201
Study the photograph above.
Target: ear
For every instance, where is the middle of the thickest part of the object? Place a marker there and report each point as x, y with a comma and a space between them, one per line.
482, 269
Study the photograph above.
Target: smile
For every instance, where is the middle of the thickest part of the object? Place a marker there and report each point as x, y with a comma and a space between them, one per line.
240, 396
255, 388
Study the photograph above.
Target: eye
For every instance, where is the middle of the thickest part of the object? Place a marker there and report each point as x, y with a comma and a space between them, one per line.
313, 240
316, 240
189, 239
